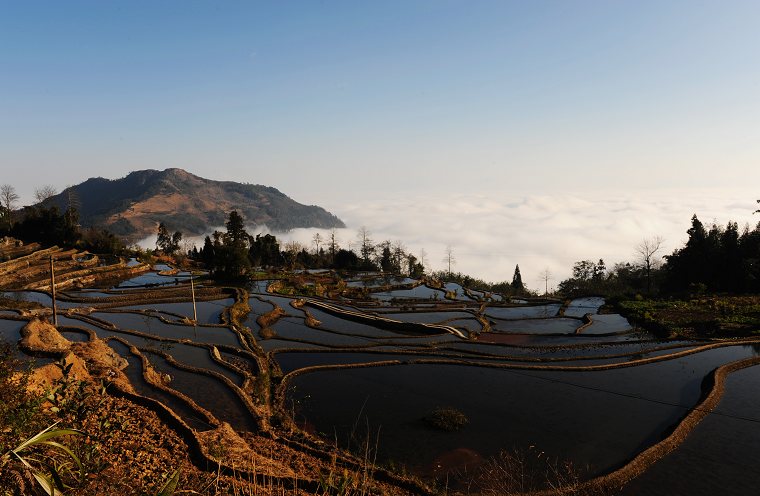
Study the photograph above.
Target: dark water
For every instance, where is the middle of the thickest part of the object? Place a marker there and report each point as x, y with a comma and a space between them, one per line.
75, 336
505, 409
134, 373
279, 344
608, 323
210, 393
720, 455
458, 290
208, 311
581, 306
595, 419
334, 323
426, 317
259, 286
293, 361
296, 328
151, 325
195, 356
533, 312
38, 297
154, 278
557, 325
10, 332
421, 292
470, 324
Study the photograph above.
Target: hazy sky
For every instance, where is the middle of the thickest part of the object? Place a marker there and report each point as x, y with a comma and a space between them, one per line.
346, 103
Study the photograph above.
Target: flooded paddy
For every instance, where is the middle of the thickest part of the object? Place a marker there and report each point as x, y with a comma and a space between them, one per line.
581, 306
699, 467
149, 324
558, 325
607, 324
524, 312
594, 392
421, 292
134, 372
10, 330
223, 403
580, 416
208, 312
566, 422
427, 317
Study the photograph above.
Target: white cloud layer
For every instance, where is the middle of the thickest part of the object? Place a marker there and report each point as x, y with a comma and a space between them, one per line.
490, 235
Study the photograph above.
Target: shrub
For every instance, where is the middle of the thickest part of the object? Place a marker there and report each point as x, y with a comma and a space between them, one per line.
447, 419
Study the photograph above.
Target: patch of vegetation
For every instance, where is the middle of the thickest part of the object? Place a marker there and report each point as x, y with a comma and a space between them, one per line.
708, 316
447, 419
34, 452
525, 471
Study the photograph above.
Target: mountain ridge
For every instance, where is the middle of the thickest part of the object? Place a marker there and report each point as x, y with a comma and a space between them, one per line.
134, 205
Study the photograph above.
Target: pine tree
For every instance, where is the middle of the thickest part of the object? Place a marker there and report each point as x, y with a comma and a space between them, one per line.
517, 283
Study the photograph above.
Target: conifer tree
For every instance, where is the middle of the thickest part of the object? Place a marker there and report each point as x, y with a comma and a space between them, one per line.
517, 283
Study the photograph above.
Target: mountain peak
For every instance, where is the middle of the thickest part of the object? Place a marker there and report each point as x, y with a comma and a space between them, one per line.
134, 205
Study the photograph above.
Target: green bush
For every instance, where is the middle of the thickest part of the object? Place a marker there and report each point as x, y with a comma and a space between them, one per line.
447, 419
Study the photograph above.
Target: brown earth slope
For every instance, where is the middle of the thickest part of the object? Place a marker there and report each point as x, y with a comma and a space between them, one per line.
132, 206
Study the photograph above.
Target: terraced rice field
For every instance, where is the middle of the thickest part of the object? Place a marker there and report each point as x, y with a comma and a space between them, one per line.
556, 376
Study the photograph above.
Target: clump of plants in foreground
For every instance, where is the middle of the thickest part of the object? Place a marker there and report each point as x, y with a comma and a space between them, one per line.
58, 441
36, 452
525, 471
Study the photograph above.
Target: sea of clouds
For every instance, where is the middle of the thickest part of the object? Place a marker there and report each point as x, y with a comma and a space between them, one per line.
490, 235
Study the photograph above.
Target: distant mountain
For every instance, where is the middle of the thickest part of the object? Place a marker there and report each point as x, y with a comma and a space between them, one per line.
132, 207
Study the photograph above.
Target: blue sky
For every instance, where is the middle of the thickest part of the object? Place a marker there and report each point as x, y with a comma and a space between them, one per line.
334, 102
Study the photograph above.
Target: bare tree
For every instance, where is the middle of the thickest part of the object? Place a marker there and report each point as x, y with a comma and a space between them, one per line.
423, 258
546, 275
292, 249
44, 193
449, 258
647, 256
333, 244
365, 240
317, 240
8, 199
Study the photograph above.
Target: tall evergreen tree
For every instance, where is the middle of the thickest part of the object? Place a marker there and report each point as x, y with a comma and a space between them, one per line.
236, 232
517, 283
